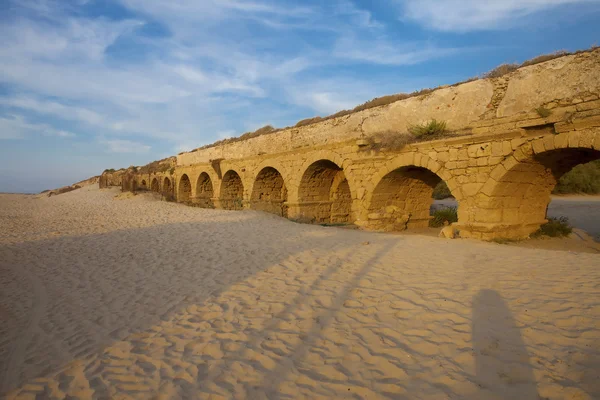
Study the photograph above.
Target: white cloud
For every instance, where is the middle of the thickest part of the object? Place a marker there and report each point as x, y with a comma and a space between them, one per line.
471, 15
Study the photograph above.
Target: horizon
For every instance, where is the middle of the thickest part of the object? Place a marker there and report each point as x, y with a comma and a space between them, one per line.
92, 85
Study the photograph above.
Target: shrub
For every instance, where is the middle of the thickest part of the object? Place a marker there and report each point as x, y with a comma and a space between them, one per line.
443, 216
172, 170
501, 70
543, 112
555, 227
431, 128
441, 191
308, 121
544, 58
584, 178
390, 140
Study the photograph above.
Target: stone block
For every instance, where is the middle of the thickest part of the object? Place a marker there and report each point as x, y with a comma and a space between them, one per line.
586, 139
443, 156
549, 142
538, 146
482, 161
451, 165
470, 189
447, 232
453, 155
506, 148
495, 160
498, 172
472, 150
496, 148
573, 139
561, 140
515, 143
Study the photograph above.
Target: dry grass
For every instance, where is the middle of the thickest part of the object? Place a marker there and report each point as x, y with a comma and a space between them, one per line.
386, 100
389, 140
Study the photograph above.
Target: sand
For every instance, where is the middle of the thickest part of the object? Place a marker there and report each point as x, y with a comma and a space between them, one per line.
137, 298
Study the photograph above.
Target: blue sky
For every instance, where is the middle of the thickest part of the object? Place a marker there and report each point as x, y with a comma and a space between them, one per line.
92, 84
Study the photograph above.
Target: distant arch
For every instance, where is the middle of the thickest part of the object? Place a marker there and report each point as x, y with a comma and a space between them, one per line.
232, 191
204, 191
269, 192
324, 194
184, 192
166, 189
144, 186
155, 186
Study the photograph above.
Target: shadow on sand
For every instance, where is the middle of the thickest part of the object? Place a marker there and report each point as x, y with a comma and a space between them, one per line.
502, 367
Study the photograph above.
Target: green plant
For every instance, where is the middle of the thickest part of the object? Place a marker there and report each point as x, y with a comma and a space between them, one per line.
441, 191
555, 227
443, 216
431, 128
172, 170
584, 178
543, 112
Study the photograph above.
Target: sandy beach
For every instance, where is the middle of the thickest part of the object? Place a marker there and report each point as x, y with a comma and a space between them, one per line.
135, 298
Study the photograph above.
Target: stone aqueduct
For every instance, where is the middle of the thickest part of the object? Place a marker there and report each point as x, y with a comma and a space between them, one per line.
501, 168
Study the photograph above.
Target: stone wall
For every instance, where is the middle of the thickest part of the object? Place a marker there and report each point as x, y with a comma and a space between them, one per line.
476, 107
501, 170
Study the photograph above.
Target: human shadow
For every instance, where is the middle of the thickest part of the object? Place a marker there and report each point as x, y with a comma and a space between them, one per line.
502, 367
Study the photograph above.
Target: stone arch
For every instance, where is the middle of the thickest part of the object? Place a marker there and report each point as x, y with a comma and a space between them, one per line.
144, 184
204, 191
269, 192
514, 200
400, 193
155, 185
324, 194
166, 187
232, 191
184, 191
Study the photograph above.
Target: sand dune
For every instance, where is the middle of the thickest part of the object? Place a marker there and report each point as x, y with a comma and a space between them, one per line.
137, 298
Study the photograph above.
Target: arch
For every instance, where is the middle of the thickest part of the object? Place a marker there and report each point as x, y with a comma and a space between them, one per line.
144, 185
515, 199
324, 194
269, 192
402, 199
232, 191
204, 191
391, 207
155, 186
184, 192
166, 188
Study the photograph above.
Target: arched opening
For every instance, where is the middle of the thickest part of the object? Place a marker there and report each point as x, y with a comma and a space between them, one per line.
402, 199
232, 191
184, 193
204, 191
269, 193
167, 186
155, 186
520, 197
144, 185
324, 194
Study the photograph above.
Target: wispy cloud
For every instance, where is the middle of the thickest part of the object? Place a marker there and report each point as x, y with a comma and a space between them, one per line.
472, 15
17, 127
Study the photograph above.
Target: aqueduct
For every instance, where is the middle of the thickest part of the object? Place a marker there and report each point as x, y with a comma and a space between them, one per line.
513, 137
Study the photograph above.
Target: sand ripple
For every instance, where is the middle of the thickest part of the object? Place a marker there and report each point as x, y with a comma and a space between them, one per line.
143, 299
